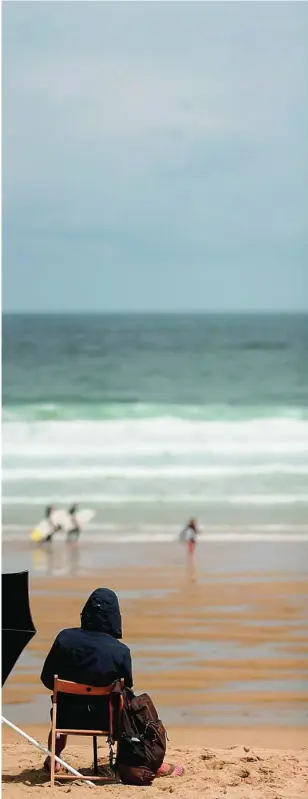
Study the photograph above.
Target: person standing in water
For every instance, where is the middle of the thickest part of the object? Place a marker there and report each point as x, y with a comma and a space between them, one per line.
189, 535
74, 530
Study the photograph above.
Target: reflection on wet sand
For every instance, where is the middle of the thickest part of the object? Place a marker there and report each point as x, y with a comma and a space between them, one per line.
54, 562
191, 571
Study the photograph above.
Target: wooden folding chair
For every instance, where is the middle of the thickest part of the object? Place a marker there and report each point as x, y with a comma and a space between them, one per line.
115, 696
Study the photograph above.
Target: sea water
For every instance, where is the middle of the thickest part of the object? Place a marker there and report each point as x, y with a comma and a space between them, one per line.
150, 419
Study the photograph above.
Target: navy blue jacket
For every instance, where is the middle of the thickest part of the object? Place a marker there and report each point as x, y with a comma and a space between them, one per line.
90, 654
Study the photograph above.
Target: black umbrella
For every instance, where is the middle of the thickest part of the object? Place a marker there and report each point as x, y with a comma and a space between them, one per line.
17, 631
17, 624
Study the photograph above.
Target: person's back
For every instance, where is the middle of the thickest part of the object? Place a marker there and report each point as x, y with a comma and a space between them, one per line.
91, 654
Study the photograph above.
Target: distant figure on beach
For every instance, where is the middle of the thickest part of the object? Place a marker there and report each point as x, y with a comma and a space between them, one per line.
74, 529
189, 535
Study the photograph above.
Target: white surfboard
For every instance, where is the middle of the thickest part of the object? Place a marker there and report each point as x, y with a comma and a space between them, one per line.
45, 526
83, 519
63, 519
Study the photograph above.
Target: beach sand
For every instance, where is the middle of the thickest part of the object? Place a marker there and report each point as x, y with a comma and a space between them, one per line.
236, 771
221, 647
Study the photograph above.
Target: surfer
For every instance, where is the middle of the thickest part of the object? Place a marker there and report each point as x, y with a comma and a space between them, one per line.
74, 529
53, 527
189, 535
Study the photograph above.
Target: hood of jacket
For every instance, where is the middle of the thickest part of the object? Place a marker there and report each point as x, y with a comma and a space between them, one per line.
102, 613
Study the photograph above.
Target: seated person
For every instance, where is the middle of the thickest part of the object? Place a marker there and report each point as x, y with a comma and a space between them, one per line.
94, 655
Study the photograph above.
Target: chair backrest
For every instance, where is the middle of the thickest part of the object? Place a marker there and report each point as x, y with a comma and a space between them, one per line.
68, 687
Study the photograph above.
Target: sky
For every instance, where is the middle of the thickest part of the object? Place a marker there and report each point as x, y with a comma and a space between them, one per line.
155, 156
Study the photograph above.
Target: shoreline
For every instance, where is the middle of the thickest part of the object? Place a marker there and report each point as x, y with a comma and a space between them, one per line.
215, 559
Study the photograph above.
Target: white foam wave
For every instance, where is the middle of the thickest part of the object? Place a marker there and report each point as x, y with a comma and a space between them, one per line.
144, 499
171, 529
149, 473
155, 436
111, 534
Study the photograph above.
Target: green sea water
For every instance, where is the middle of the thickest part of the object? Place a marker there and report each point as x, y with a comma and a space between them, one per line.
148, 418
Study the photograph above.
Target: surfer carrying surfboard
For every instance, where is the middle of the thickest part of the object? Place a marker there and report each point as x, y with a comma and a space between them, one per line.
74, 530
71, 521
189, 535
54, 528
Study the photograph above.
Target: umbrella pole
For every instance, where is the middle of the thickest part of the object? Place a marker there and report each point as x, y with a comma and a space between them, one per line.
46, 751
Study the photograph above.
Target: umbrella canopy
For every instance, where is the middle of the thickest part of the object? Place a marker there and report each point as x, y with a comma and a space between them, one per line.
17, 631
17, 624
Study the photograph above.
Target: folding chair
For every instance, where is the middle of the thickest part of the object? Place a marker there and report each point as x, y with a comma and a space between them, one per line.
114, 692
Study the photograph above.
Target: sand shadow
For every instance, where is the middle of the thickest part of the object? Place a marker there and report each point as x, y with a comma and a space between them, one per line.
29, 776
38, 776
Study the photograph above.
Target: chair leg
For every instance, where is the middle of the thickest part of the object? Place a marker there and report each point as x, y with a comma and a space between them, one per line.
95, 758
53, 744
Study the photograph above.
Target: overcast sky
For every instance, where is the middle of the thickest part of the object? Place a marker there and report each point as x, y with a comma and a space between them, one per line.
155, 156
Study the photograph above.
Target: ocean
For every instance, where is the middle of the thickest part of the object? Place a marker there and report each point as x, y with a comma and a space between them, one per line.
150, 419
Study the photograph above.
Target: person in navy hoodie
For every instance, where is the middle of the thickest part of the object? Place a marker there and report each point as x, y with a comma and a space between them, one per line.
92, 654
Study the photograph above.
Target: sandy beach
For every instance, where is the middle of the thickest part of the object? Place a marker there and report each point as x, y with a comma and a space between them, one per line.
234, 771
222, 651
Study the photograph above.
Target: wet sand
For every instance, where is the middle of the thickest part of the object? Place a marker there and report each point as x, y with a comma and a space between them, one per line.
216, 647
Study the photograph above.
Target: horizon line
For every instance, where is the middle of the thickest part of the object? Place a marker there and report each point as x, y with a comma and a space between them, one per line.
156, 312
